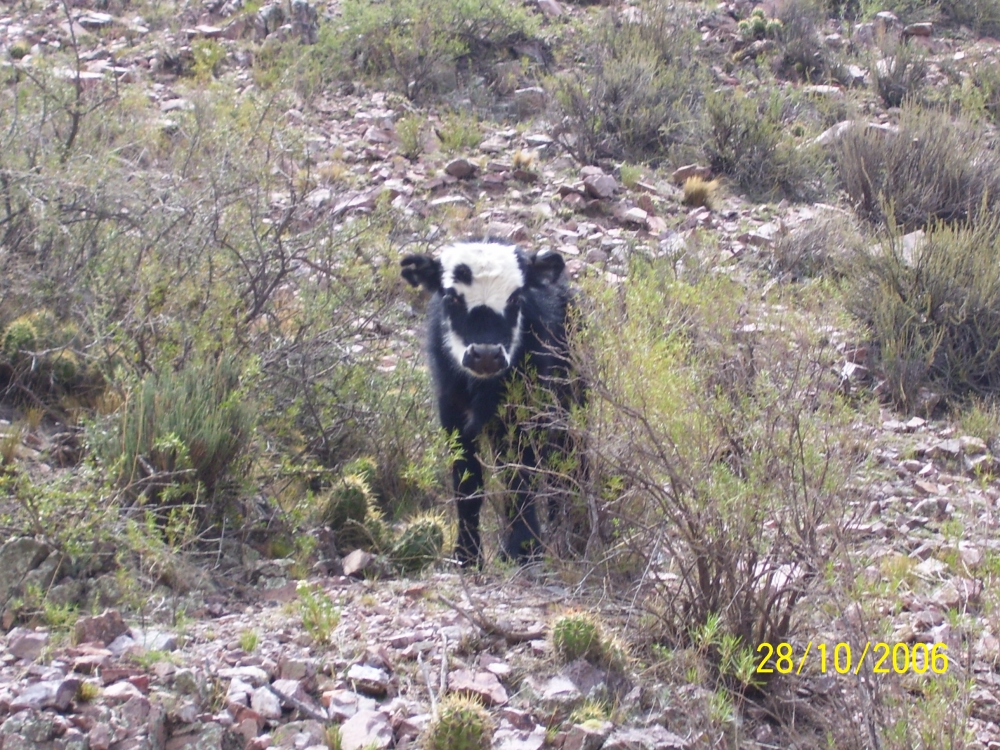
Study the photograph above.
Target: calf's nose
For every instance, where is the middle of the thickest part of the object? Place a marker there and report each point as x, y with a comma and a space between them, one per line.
484, 359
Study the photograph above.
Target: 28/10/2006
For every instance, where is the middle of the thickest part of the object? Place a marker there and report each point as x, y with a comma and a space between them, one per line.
899, 658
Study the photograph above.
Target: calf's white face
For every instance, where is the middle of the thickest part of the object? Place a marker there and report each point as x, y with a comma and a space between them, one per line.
481, 287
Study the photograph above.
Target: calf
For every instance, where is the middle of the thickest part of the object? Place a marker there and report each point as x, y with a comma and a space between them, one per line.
498, 315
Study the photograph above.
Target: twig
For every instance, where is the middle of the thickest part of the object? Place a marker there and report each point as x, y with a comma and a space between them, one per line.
444, 664
491, 628
427, 678
297, 704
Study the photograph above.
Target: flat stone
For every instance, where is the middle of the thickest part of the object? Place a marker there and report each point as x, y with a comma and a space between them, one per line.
121, 692
57, 694
485, 685
102, 628
461, 168
266, 703
600, 186
653, 737
682, 174
368, 680
366, 729
590, 735
357, 562
26, 644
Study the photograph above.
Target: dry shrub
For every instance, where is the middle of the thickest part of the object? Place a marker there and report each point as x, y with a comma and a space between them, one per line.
635, 99
898, 71
934, 309
932, 168
819, 248
700, 192
746, 143
722, 453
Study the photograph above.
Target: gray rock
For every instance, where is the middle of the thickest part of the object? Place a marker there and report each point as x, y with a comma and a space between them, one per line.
29, 727
530, 101
26, 644
57, 694
268, 20
299, 734
366, 729
305, 22
266, 703
600, 185
17, 558
653, 737
461, 168
590, 735
368, 680
205, 736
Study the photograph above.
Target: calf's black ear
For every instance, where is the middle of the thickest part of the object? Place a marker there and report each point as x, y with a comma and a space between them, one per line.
422, 270
545, 267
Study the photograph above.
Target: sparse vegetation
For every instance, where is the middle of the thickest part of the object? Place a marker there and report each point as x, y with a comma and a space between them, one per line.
211, 378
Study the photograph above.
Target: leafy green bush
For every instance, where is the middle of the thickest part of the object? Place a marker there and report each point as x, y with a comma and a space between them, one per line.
932, 168
934, 309
178, 435
746, 144
635, 99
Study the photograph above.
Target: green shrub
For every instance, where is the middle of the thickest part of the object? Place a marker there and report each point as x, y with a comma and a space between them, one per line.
746, 144
934, 310
932, 168
421, 42
461, 724
636, 98
185, 430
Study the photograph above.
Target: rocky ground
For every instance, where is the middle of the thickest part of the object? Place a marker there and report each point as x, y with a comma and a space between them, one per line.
271, 662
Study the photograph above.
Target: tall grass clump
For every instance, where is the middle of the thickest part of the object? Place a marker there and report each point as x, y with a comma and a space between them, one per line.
178, 435
934, 309
635, 98
931, 168
723, 453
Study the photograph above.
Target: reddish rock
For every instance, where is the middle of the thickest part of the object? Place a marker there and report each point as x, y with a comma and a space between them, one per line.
102, 628
485, 685
600, 186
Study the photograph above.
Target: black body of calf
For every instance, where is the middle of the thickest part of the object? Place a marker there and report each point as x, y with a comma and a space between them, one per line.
497, 312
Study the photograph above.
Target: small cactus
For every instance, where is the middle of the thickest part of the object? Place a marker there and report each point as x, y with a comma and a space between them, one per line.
364, 467
349, 501
576, 636
419, 544
461, 724
20, 336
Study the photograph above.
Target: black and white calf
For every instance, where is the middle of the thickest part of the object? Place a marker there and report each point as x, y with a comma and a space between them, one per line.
497, 314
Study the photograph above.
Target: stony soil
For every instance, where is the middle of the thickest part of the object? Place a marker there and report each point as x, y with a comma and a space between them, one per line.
239, 668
